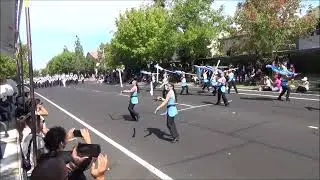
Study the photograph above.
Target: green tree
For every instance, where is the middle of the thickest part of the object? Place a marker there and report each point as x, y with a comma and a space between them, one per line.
89, 64
65, 49
7, 66
36, 73
271, 26
62, 63
79, 62
143, 35
161, 3
197, 25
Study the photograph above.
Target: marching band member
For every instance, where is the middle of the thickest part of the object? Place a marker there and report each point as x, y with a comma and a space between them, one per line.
134, 91
231, 81
164, 84
171, 112
184, 84
222, 90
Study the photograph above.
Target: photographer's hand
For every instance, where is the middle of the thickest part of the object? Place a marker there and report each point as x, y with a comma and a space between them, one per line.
77, 159
85, 135
102, 167
70, 135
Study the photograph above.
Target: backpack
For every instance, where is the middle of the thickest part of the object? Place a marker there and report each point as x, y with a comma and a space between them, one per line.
26, 163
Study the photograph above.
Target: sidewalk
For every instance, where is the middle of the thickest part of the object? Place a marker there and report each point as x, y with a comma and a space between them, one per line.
10, 156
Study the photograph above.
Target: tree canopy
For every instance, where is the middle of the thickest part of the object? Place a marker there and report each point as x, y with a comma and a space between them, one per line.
272, 25
143, 35
68, 61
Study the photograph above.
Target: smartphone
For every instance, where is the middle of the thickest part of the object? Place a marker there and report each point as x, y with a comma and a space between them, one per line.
90, 150
77, 133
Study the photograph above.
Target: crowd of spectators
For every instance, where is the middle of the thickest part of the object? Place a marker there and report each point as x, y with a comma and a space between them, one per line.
52, 161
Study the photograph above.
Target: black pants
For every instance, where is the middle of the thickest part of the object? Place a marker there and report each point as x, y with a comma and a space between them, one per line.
183, 88
214, 92
133, 113
154, 85
206, 85
232, 84
284, 90
301, 89
224, 98
172, 127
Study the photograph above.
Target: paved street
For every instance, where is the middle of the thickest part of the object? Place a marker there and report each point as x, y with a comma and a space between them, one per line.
256, 137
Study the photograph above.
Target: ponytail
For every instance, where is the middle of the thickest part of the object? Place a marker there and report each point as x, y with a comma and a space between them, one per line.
138, 88
175, 93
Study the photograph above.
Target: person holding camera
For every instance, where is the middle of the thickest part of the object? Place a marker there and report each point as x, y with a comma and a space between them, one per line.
55, 169
77, 160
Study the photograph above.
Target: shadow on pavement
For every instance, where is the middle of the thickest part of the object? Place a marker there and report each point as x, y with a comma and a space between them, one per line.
160, 134
312, 108
125, 117
257, 98
207, 102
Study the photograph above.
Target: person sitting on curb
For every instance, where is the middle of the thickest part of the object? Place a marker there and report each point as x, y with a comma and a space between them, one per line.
304, 87
266, 84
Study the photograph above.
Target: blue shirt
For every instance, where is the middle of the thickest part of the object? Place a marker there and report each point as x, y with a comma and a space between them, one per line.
284, 82
134, 98
171, 108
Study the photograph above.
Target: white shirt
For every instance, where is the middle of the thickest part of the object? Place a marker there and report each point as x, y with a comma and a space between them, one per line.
153, 78
306, 85
5, 91
268, 83
205, 76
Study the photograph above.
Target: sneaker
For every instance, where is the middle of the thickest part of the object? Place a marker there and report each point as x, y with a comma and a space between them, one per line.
217, 103
137, 117
175, 140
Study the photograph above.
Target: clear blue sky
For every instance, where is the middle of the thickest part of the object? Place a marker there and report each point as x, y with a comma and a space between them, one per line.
55, 24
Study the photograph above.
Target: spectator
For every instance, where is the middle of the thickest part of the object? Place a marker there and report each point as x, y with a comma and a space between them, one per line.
6, 103
27, 140
266, 86
56, 140
41, 111
55, 169
304, 87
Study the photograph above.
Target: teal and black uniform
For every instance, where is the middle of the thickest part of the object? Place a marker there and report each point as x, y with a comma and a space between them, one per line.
171, 113
222, 93
232, 83
214, 84
132, 103
206, 83
184, 85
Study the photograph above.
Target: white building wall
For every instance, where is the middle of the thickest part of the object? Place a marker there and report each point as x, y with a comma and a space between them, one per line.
309, 42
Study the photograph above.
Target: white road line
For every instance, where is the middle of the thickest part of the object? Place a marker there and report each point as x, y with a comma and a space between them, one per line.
144, 163
313, 127
301, 94
307, 99
184, 109
193, 107
184, 104
126, 95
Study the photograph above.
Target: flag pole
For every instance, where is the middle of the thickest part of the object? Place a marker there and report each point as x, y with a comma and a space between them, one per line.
33, 116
